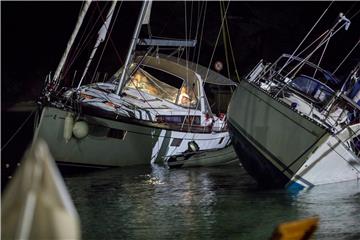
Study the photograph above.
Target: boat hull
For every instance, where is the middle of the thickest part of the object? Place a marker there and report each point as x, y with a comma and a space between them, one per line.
332, 162
271, 140
209, 158
117, 143
258, 166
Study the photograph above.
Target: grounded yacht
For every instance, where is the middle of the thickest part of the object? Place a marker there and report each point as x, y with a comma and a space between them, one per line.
151, 109
294, 124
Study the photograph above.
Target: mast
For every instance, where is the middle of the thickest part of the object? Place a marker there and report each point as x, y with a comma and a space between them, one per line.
101, 37
71, 40
131, 51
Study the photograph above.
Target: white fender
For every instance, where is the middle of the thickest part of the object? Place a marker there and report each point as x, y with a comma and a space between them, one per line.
80, 129
68, 126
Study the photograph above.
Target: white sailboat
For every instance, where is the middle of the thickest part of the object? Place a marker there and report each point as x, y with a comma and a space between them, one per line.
153, 108
301, 126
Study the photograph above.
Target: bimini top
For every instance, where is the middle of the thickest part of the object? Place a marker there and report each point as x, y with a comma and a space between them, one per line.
181, 67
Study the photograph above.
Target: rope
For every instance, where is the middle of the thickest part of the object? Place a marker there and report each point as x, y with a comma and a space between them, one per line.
325, 40
269, 69
141, 92
199, 14
306, 36
225, 40
191, 17
89, 37
187, 63
355, 14
217, 40
352, 6
107, 39
299, 66
231, 48
216, 43
346, 57
192, 120
201, 36
17, 131
322, 54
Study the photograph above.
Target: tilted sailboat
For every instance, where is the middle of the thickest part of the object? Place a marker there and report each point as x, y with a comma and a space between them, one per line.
153, 108
294, 124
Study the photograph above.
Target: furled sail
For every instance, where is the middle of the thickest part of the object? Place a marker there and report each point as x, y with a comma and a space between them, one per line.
101, 37
71, 41
146, 19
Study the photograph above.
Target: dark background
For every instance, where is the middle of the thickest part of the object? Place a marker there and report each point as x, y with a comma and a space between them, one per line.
34, 35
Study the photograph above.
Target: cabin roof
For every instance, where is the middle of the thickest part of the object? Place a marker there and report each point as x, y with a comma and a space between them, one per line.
179, 67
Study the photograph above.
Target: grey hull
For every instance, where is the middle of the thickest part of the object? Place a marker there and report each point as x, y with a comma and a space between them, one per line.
272, 140
133, 146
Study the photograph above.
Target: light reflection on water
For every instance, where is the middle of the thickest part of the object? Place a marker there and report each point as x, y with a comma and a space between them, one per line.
203, 203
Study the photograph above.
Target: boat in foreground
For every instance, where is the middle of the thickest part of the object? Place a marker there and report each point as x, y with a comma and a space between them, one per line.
36, 203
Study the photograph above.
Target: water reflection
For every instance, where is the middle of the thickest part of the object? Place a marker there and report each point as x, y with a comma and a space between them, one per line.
203, 203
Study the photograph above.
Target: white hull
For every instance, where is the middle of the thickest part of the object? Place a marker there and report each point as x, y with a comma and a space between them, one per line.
332, 162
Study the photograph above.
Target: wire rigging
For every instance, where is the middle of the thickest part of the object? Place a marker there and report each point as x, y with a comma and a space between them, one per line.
306, 36
216, 43
337, 68
107, 39
82, 44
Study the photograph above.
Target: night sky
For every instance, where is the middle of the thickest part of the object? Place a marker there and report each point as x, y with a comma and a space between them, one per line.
34, 35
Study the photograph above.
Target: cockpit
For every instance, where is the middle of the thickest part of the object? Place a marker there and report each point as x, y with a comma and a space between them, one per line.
312, 89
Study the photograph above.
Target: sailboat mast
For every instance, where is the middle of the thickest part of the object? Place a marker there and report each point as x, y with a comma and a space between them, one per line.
71, 40
133, 45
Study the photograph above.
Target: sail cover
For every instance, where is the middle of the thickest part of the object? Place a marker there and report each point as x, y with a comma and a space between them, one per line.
209, 75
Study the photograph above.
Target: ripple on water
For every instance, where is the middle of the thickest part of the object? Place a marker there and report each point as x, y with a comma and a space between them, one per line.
203, 203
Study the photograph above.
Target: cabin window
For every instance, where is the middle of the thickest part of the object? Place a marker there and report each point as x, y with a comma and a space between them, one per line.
195, 120
145, 82
164, 77
116, 133
163, 85
187, 96
312, 88
176, 142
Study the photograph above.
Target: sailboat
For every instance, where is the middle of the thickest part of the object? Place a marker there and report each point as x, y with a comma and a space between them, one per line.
296, 125
154, 107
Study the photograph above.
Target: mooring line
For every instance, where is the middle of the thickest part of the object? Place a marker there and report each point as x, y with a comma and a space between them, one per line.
17, 131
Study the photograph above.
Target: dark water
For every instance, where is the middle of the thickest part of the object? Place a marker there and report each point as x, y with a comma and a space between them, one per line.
204, 203
152, 202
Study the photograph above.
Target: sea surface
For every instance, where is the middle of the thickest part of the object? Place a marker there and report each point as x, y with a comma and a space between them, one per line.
153, 202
